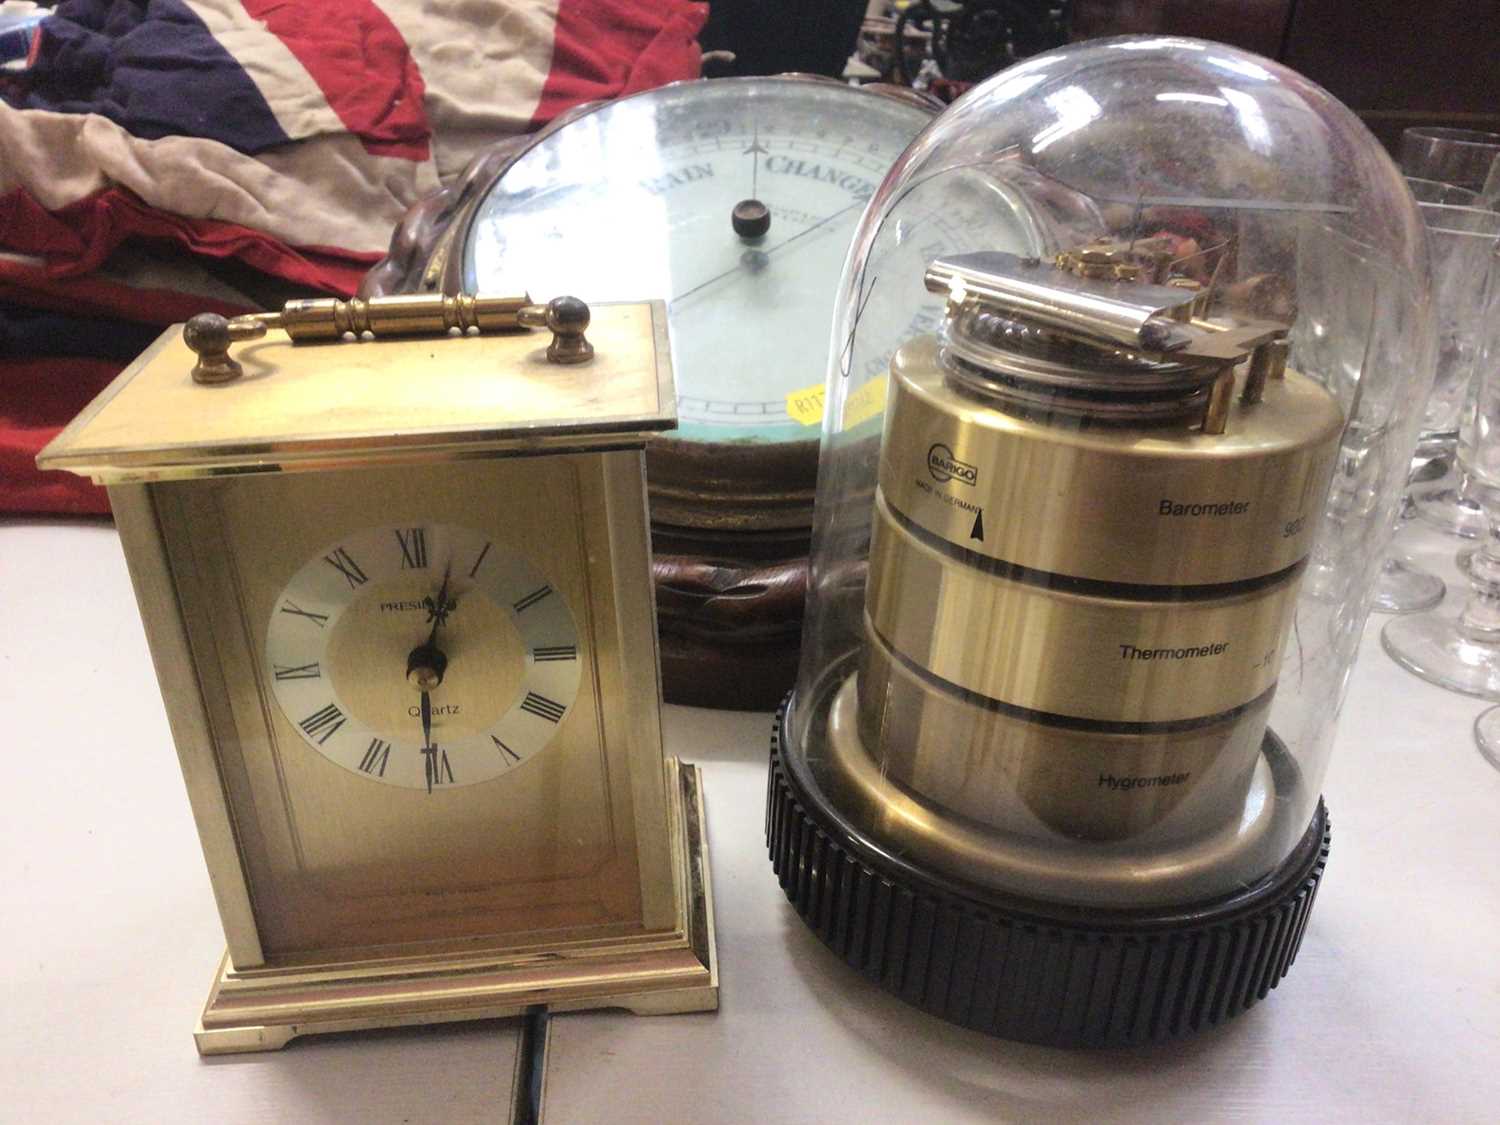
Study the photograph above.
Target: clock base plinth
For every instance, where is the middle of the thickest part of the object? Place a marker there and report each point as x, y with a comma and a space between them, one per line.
264, 1008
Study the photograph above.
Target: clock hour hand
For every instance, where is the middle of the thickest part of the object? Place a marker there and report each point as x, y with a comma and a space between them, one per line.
426, 663
438, 609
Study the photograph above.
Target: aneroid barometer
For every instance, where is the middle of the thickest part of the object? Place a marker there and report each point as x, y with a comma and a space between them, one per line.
733, 200
1086, 592
393, 563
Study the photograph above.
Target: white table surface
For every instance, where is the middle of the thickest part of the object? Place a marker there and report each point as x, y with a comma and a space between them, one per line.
109, 938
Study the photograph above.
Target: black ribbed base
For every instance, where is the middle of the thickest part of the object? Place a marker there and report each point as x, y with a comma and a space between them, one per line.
1017, 970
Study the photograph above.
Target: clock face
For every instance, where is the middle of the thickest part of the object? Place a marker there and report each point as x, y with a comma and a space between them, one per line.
427, 656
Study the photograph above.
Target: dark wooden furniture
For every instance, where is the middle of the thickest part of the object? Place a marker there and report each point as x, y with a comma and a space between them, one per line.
1395, 63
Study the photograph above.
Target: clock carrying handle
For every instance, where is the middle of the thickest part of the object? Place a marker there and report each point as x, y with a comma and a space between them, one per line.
425, 314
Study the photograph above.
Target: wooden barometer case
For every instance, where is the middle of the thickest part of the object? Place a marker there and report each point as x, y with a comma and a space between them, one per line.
393, 562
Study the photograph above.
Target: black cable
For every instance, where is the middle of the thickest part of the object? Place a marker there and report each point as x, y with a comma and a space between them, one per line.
531, 1067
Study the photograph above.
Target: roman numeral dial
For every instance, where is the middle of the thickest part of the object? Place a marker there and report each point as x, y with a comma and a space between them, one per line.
323, 723
413, 543
422, 655
343, 562
377, 757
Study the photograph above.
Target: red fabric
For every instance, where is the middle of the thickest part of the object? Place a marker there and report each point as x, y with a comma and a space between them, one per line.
37, 396
648, 45
79, 237
361, 63
27, 284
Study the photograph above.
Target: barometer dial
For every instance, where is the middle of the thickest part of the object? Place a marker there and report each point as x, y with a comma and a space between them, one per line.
734, 200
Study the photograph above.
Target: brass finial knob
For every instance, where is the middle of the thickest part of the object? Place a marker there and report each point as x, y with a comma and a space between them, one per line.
210, 335
566, 318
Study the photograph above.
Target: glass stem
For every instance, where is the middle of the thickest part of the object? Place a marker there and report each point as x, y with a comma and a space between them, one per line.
1480, 619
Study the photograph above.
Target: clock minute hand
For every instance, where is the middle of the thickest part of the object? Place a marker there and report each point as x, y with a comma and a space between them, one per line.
425, 666
429, 751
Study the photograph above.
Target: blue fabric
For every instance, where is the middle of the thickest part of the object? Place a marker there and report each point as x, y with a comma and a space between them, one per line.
150, 66
27, 334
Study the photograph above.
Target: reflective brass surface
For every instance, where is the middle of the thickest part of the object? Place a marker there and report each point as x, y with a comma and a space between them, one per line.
313, 406
1151, 868
166, 627
576, 877
570, 842
1009, 771
1085, 656
659, 974
412, 314
1074, 620
431, 314
1088, 502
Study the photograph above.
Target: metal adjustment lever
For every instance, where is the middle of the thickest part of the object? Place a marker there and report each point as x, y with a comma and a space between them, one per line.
1136, 347
210, 335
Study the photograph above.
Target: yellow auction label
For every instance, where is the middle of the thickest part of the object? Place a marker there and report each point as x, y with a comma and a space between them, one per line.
807, 404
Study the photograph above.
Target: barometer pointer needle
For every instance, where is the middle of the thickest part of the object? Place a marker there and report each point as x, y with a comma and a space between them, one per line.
754, 151
805, 231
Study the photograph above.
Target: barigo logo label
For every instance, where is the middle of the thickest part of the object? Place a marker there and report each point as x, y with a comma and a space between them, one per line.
945, 467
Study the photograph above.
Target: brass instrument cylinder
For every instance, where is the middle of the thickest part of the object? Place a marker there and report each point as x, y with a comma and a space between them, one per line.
1075, 627
1003, 768
1082, 655
1141, 505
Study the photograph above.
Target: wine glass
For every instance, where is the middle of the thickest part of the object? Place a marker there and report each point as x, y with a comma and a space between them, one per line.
1463, 653
1435, 191
1487, 735
1465, 158
1460, 243
1341, 312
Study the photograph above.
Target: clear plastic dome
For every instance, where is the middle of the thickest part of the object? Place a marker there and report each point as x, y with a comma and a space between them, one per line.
1128, 361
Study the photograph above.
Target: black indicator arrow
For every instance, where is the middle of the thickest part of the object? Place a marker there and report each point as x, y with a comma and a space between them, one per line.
977, 531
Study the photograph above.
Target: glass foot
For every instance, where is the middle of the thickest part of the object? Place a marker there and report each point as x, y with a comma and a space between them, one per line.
1487, 735
1434, 649
1404, 588
1447, 510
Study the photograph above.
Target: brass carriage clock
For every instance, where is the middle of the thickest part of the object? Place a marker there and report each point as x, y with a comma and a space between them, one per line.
398, 596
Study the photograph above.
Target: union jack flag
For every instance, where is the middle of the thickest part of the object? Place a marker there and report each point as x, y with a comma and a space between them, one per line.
145, 141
